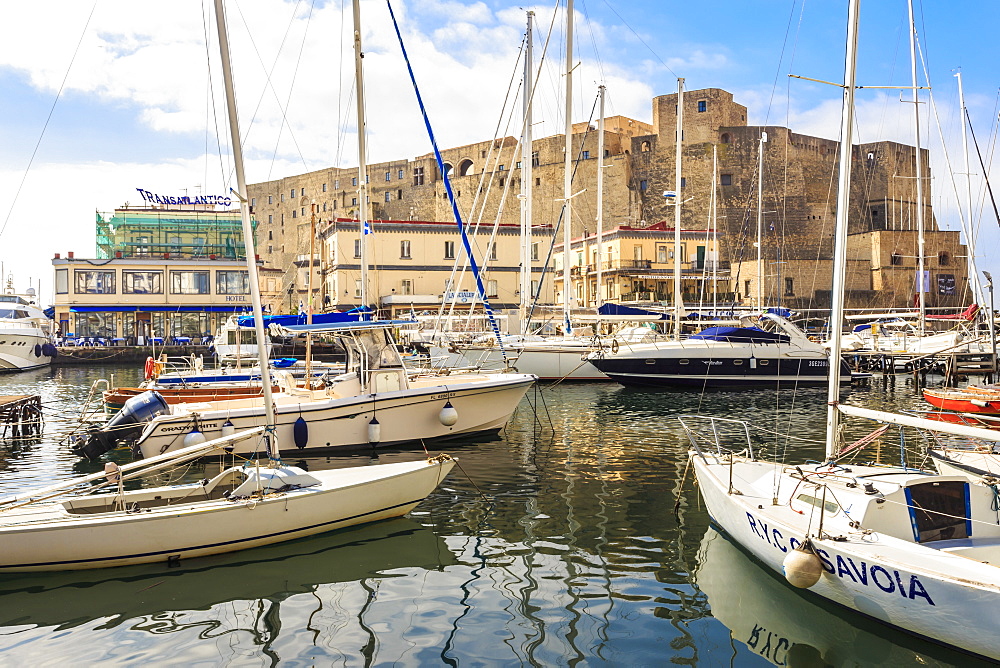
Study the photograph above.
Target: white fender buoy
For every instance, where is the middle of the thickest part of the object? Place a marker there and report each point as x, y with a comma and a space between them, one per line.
228, 428
374, 432
194, 437
112, 472
802, 566
448, 415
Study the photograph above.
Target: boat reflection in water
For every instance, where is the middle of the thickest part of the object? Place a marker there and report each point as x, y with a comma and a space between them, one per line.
161, 599
779, 624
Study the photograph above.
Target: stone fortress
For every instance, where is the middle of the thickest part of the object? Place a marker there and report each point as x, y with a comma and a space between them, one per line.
799, 195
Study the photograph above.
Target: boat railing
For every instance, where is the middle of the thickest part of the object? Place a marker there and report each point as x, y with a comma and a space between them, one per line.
708, 434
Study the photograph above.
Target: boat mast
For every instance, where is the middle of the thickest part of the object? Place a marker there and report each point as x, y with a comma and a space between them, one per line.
713, 204
598, 298
760, 220
568, 173
526, 177
840, 232
678, 141
364, 228
248, 240
921, 294
970, 230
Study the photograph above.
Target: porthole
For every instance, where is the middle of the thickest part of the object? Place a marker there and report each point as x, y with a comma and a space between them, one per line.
684, 361
763, 362
738, 362
650, 361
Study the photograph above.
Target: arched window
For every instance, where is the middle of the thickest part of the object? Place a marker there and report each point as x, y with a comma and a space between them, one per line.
644, 146
465, 168
724, 138
447, 170
944, 259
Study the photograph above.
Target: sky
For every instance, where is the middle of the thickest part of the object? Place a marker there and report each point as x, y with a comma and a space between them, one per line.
117, 95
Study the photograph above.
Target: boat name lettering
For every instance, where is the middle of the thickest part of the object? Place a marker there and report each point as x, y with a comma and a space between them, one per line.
712, 362
203, 426
154, 198
845, 568
817, 363
446, 395
773, 644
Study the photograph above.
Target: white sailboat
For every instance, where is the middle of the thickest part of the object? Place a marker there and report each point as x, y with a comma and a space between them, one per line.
76, 525
912, 550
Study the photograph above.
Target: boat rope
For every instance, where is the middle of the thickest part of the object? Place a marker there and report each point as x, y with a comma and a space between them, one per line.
448, 189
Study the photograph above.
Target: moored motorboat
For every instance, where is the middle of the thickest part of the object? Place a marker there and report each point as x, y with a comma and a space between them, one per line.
26, 333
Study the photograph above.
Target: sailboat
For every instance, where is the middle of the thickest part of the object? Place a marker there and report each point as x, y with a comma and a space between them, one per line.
912, 550
93, 521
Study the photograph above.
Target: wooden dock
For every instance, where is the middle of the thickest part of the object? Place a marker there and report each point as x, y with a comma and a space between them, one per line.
21, 415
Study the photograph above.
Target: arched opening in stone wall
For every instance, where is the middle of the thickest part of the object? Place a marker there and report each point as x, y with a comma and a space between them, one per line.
465, 167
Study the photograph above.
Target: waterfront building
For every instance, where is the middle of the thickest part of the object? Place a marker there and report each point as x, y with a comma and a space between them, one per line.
166, 271
796, 225
416, 266
638, 267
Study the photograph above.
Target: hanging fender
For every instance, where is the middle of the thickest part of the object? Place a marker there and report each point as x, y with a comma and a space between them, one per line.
149, 368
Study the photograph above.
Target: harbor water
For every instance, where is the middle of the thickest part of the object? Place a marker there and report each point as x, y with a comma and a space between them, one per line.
575, 537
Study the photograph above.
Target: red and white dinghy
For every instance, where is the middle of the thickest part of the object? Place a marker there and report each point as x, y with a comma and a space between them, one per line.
971, 399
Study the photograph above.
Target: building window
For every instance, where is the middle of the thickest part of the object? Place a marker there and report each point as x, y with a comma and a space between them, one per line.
293, 193
896, 259
644, 147
142, 282
282, 197
643, 185
502, 167
418, 176
388, 176
399, 174
586, 155
303, 192
406, 286
661, 253
944, 259
491, 288
388, 196
534, 159
270, 219
95, 282
726, 179
270, 199
324, 187
449, 250
295, 213
946, 284
724, 138
493, 251
303, 212
357, 288
62, 281
189, 283
232, 283
336, 184
684, 182
518, 165
502, 181
534, 252
253, 202
702, 106
357, 248
399, 194
324, 207
789, 287
746, 287
354, 201
404, 249
538, 181
354, 180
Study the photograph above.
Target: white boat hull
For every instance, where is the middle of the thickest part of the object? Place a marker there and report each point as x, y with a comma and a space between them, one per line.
403, 416
18, 348
548, 362
941, 596
48, 537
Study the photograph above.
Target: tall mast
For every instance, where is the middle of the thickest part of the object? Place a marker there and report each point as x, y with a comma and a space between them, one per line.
922, 296
526, 178
760, 220
971, 230
363, 226
598, 298
248, 241
678, 305
713, 204
840, 232
568, 173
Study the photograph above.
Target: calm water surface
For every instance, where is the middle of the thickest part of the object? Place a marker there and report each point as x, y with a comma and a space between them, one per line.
573, 538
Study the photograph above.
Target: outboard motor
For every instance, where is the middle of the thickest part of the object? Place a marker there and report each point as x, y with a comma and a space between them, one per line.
124, 426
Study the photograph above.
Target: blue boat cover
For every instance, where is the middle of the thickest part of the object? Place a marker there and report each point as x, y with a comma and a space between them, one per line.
741, 335
618, 309
354, 315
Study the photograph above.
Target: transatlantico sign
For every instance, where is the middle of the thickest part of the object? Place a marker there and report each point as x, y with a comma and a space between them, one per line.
153, 198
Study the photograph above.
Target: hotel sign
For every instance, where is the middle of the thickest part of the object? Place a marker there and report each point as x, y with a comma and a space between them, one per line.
154, 198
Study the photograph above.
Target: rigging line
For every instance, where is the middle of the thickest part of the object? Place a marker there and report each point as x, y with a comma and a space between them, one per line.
211, 111
62, 87
982, 164
641, 41
260, 100
781, 57
448, 189
593, 41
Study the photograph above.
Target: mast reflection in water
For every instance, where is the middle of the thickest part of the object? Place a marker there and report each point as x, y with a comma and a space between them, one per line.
573, 537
